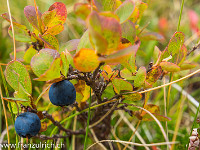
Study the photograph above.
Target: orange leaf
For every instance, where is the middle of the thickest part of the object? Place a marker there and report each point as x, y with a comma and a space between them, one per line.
86, 60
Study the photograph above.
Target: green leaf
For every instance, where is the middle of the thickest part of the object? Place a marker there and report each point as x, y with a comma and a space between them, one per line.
22, 93
21, 34
187, 65
70, 45
53, 72
30, 52
84, 41
12, 99
6, 17
157, 55
98, 42
65, 63
82, 10
176, 43
181, 55
133, 97
15, 108
140, 77
70, 59
55, 29
129, 31
121, 85
125, 73
142, 7
151, 36
50, 41
108, 92
19, 55
42, 61
105, 5
125, 10
170, 67
130, 63
16, 75
153, 75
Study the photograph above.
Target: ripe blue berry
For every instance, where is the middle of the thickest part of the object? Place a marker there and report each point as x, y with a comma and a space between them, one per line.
62, 93
27, 124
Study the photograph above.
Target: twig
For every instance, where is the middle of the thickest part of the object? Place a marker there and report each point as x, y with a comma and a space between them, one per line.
193, 49
96, 71
56, 123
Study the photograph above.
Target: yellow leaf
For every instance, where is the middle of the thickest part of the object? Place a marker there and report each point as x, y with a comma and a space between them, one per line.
86, 60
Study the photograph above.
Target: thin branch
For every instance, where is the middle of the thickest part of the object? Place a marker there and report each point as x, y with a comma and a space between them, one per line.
56, 123
194, 48
96, 71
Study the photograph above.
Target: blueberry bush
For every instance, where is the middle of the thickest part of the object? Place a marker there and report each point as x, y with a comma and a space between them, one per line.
115, 83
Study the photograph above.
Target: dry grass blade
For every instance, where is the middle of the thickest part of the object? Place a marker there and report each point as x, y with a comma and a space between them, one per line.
158, 122
74, 136
178, 122
133, 129
94, 124
119, 148
96, 139
131, 143
133, 134
170, 83
6, 118
11, 22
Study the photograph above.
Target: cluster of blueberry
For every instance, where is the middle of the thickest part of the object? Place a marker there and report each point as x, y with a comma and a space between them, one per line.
61, 93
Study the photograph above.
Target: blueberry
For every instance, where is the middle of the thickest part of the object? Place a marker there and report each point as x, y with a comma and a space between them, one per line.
62, 93
27, 124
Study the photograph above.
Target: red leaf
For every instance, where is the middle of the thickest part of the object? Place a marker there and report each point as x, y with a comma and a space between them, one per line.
61, 10
31, 15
